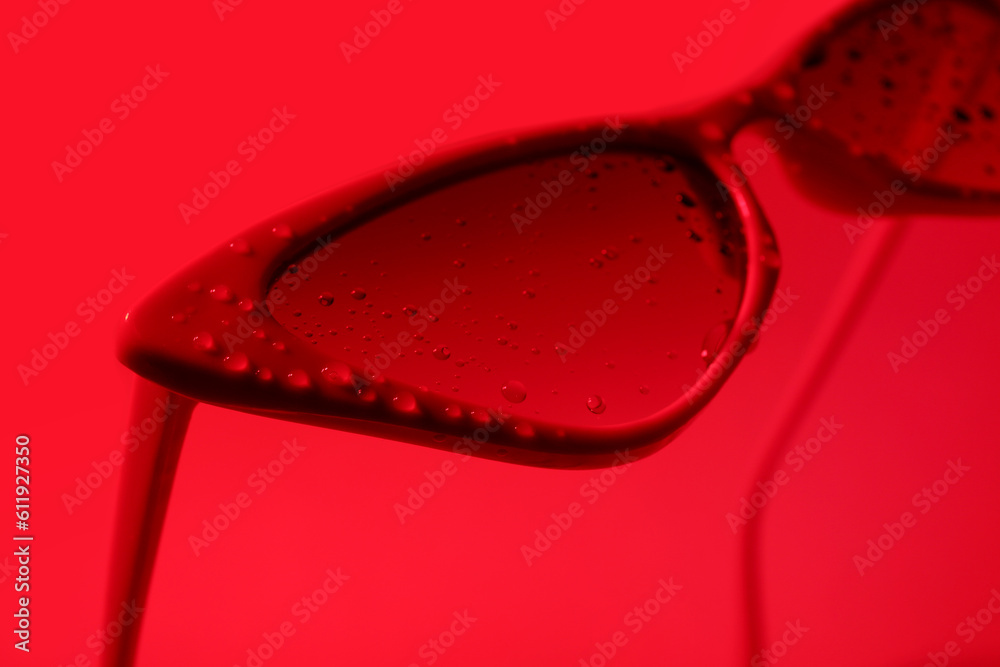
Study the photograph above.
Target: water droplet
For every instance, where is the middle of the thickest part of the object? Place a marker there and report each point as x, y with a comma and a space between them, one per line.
684, 199
404, 402
282, 231
714, 340
337, 373
643, 389
784, 91
596, 404
458, 263
221, 293
481, 417
514, 391
358, 293
502, 340
240, 247
442, 352
425, 236
694, 236
179, 317
237, 361
460, 222
530, 293
524, 430
770, 257
610, 253
326, 299
264, 374
278, 345
298, 379
452, 411
711, 131
204, 342
596, 263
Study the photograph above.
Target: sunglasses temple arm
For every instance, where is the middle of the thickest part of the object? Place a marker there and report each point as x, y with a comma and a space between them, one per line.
147, 477
864, 271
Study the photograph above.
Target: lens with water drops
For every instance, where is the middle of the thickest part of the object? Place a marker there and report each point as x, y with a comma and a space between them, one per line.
514, 292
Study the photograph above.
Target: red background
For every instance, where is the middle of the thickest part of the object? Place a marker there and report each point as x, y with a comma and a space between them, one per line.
334, 507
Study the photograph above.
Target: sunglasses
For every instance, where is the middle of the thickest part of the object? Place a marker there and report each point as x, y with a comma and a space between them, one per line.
564, 298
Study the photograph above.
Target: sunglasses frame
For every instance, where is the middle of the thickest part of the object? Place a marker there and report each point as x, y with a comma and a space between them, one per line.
162, 352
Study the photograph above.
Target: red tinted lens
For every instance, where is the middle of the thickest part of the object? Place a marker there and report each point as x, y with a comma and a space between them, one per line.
568, 290
914, 83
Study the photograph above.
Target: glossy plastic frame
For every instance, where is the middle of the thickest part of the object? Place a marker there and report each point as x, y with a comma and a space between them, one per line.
164, 354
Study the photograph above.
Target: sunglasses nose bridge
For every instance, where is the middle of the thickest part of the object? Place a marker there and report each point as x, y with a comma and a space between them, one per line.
711, 126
